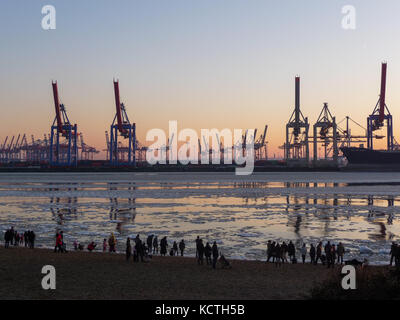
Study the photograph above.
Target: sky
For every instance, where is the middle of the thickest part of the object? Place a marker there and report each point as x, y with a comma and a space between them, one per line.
205, 63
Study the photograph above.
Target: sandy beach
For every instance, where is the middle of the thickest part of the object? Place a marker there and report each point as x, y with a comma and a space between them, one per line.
84, 275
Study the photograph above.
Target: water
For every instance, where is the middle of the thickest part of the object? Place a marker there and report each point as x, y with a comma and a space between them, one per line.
241, 213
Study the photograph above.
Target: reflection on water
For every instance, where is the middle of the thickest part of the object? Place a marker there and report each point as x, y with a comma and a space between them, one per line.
122, 210
241, 215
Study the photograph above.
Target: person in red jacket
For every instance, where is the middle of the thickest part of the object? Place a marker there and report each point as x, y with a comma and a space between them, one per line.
59, 242
91, 246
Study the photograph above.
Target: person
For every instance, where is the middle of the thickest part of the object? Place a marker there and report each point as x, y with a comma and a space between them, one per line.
91, 246
175, 249
284, 249
128, 249
80, 247
12, 235
214, 254
104, 245
139, 248
200, 251
328, 250
75, 245
112, 242
182, 247
7, 238
291, 251
269, 250
333, 254
149, 242
32, 239
58, 247
197, 243
312, 253
303, 251
277, 255
319, 253
155, 245
207, 253
225, 263
163, 246
393, 250
340, 253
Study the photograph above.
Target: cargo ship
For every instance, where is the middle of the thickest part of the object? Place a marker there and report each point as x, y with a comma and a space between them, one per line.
363, 156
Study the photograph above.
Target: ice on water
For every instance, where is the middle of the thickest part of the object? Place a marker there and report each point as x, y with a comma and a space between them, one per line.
241, 213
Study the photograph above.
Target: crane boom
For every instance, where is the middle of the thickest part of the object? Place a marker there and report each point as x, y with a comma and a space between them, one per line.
383, 93
118, 107
264, 135
60, 128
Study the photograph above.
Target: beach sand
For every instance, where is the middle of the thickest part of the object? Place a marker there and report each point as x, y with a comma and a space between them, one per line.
84, 275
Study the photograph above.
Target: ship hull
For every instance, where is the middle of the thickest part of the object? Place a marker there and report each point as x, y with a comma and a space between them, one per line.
371, 157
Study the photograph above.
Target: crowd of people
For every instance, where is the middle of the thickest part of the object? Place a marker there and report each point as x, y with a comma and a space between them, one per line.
327, 254
14, 238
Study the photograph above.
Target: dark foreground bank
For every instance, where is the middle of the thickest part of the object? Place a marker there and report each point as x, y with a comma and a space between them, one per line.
83, 275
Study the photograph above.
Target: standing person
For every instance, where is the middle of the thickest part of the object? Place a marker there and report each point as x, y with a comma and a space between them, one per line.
58, 247
328, 253
104, 245
312, 254
26, 233
269, 250
284, 249
76, 245
340, 253
215, 254
393, 250
175, 248
128, 250
319, 253
303, 251
277, 255
182, 247
155, 245
207, 253
197, 243
163, 246
7, 238
12, 235
112, 242
32, 237
291, 251
200, 251
139, 248
333, 255
149, 242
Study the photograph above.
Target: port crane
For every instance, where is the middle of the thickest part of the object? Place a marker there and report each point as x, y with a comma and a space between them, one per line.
63, 136
380, 114
121, 127
297, 144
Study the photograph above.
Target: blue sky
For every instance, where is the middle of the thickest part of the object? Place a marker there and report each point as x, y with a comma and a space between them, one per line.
208, 63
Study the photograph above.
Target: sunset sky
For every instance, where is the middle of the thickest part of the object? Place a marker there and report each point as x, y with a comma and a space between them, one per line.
205, 63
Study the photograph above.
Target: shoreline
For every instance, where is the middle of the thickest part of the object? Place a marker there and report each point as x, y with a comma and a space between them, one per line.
95, 275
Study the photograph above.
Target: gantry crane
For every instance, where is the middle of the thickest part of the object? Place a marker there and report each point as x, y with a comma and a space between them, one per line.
376, 120
296, 146
63, 138
121, 127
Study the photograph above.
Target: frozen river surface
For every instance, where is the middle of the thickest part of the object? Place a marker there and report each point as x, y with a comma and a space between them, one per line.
240, 213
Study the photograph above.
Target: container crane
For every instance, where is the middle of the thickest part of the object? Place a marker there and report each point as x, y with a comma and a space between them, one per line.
62, 153
376, 120
121, 127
